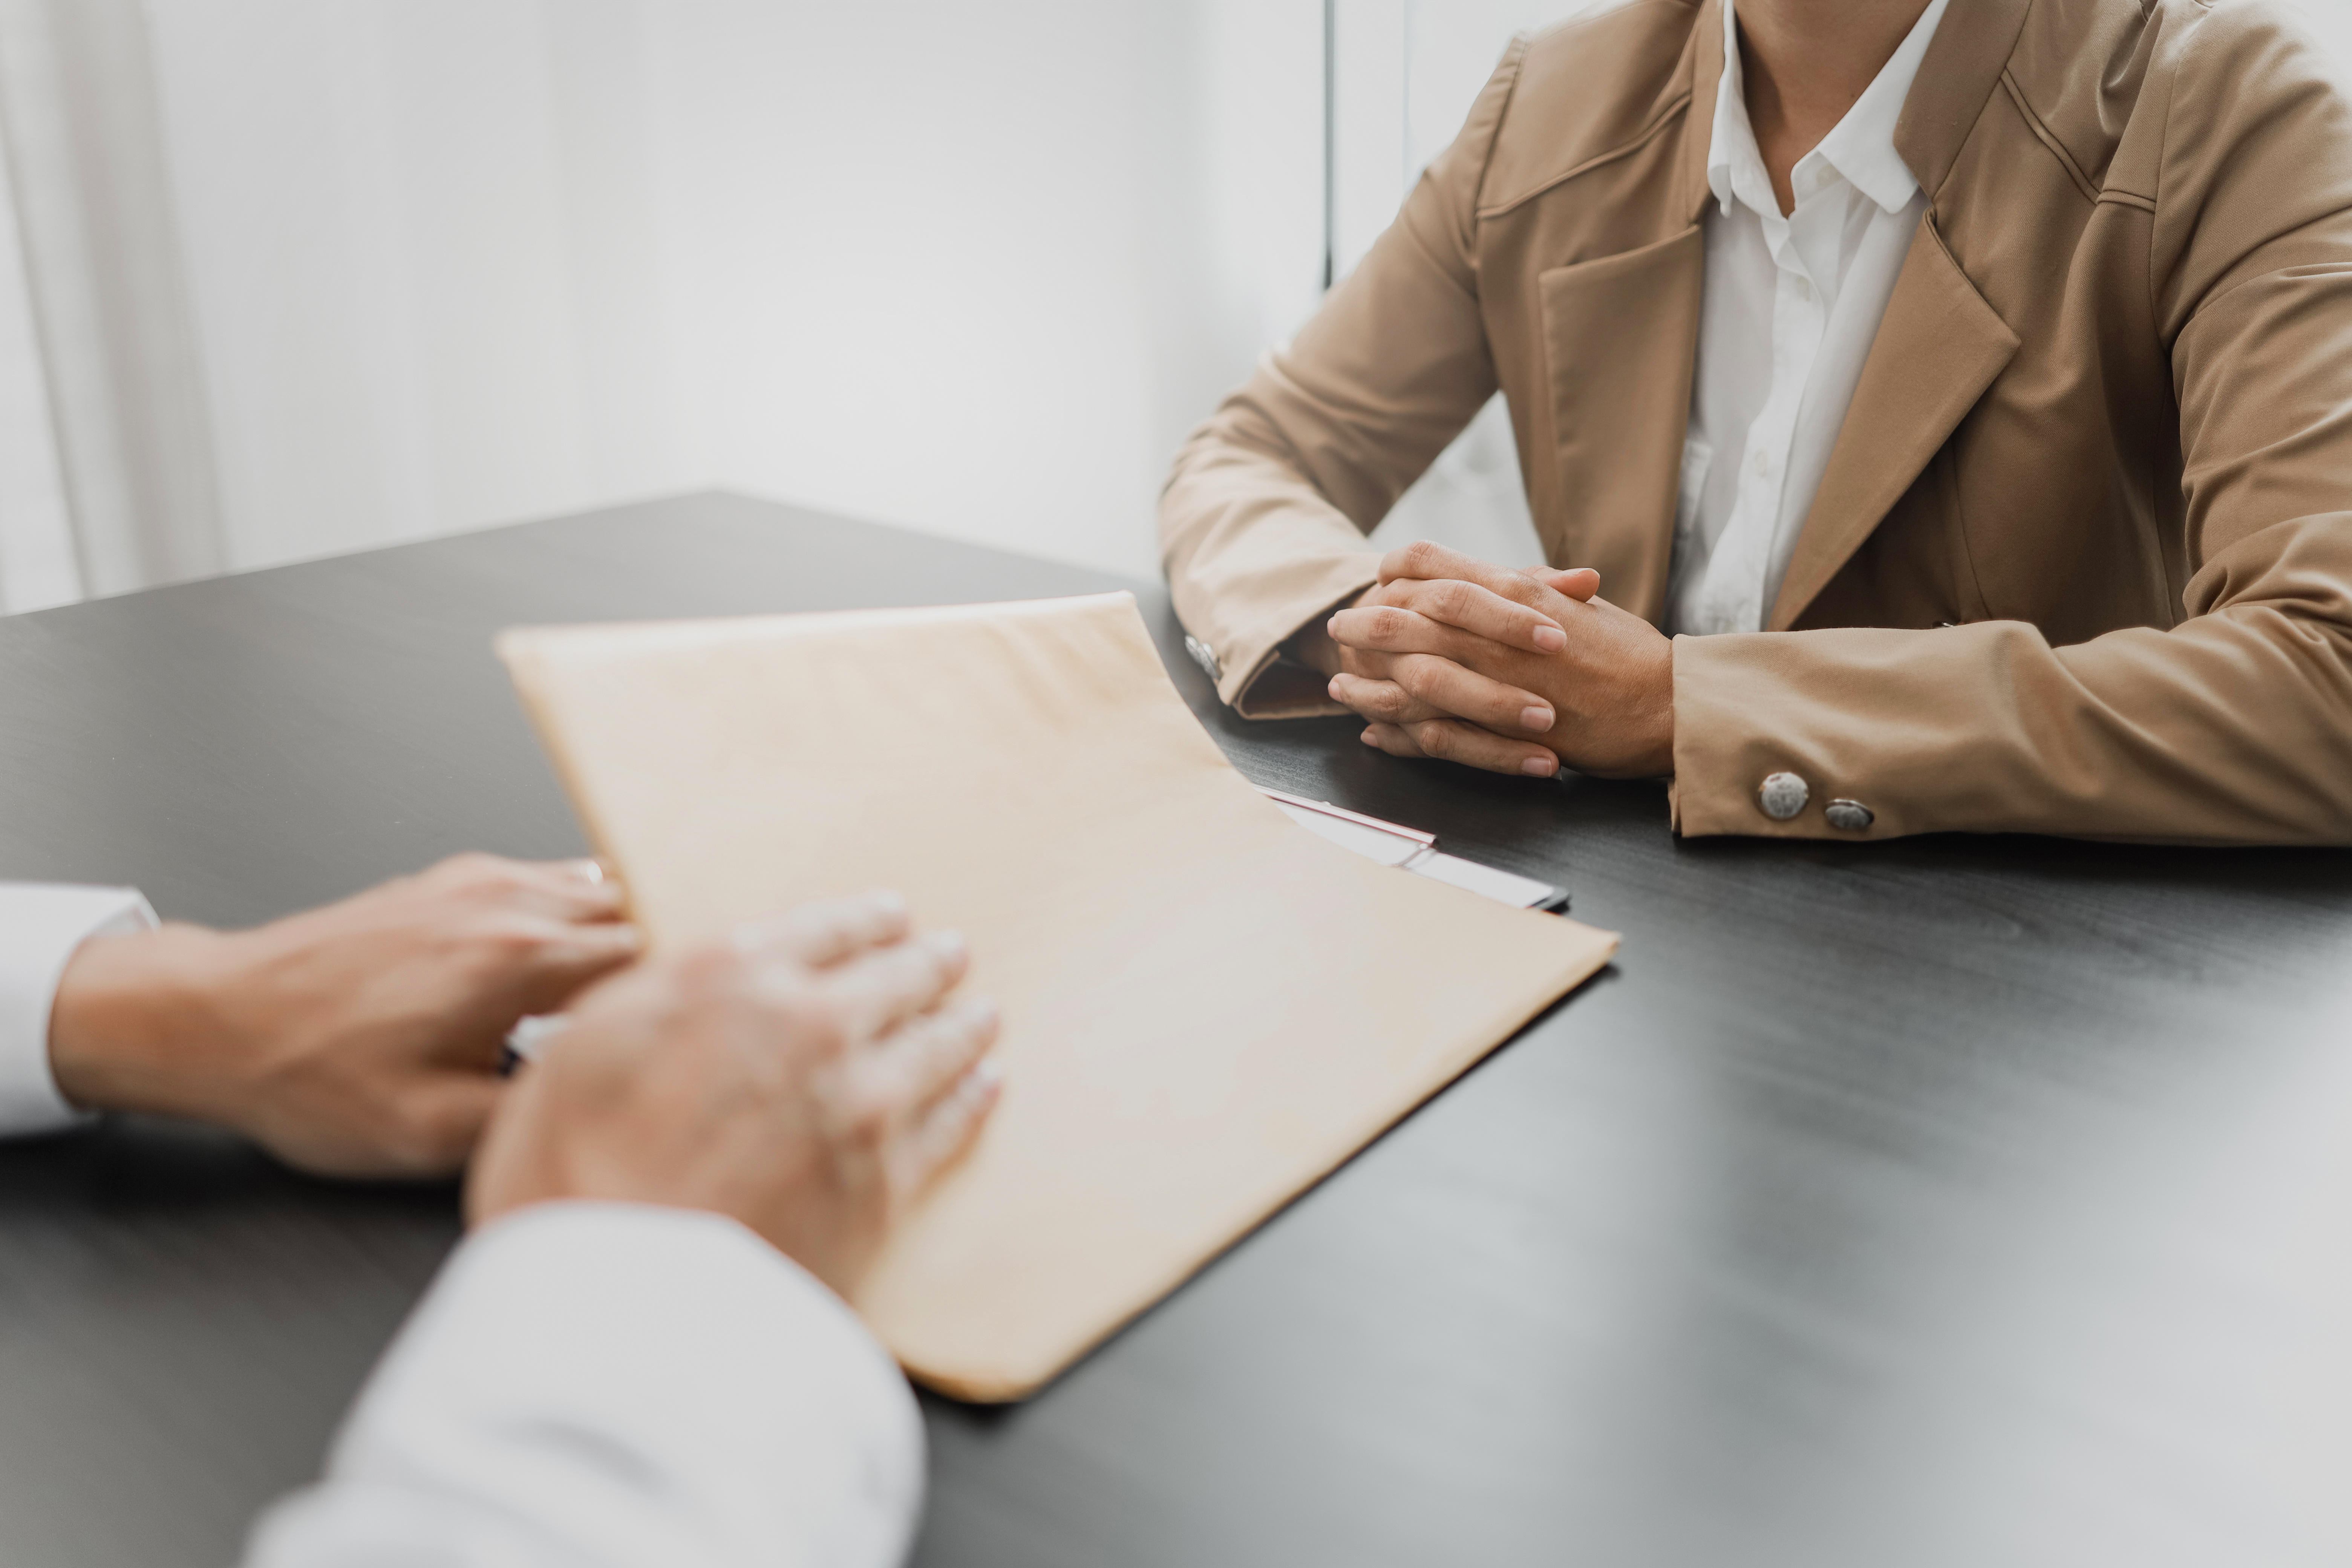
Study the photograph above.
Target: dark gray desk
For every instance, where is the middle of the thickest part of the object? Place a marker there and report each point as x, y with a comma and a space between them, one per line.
1955, 1202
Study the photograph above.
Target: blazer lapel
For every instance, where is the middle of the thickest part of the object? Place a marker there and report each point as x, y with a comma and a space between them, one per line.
1707, 66
1962, 69
1620, 337
1939, 346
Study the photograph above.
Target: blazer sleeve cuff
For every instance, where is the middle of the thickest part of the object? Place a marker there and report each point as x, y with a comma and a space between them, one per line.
1747, 758
1240, 646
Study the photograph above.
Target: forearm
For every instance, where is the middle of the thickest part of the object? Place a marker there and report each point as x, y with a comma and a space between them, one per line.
133, 1028
1262, 517
593, 1383
2232, 728
1256, 557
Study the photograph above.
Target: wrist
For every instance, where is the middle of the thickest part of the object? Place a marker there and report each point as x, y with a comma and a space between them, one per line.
1662, 750
126, 1028
1313, 646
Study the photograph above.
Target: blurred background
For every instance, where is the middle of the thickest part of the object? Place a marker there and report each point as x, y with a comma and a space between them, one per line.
285, 277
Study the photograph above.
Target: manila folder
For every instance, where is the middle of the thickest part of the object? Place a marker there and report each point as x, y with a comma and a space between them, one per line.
1205, 1006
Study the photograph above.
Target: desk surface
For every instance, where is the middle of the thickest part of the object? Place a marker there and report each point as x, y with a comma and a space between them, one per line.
1947, 1201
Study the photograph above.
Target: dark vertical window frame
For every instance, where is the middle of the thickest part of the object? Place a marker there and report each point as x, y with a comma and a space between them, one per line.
1330, 142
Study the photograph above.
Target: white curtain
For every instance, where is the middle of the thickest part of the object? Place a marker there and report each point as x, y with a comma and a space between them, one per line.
36, 555
106, 476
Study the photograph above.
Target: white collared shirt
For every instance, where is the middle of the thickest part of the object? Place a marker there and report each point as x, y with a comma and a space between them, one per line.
1786, 316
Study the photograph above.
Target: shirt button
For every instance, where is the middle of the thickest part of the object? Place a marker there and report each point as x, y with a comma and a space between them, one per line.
1763, 463
1805, 287
1849, 815
1204, 656
1781, 795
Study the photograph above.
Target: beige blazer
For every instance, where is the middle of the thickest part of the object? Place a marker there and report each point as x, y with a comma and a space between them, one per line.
2082, 559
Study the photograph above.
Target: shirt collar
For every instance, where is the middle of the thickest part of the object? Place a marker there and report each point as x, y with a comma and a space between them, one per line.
1861, 147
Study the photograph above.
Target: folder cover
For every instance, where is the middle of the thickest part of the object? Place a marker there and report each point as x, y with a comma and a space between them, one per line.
1206, 1007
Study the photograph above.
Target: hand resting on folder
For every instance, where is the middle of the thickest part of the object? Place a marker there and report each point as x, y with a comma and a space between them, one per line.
1512, 672
361, 1040
807, 1078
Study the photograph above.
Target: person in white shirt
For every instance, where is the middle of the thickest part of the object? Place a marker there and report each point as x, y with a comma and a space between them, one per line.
641, 1355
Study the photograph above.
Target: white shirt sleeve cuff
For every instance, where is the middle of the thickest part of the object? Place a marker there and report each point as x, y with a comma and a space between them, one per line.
41, 927
591, 1384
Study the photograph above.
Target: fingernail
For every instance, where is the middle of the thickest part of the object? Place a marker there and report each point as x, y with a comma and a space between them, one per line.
530, 1036
887, 901
1332, 688
980, 1084
588, 871
1536, 717
1550, 639
981, 1012
1540, 767
949, 944
1368, 739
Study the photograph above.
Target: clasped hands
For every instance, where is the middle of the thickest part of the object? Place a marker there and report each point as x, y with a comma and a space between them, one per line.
1513, 671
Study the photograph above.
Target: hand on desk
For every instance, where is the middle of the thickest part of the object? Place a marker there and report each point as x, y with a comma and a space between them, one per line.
1513, 671
808, 1079
361, 1040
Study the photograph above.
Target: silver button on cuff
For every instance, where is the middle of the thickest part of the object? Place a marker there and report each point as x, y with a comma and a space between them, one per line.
1203, 657
1849, 815
1782, 796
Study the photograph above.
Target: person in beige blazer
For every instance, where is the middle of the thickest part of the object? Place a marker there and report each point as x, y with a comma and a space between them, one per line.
2070, 550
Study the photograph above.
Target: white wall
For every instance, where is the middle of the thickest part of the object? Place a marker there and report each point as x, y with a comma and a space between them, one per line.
972, 269
990, 260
